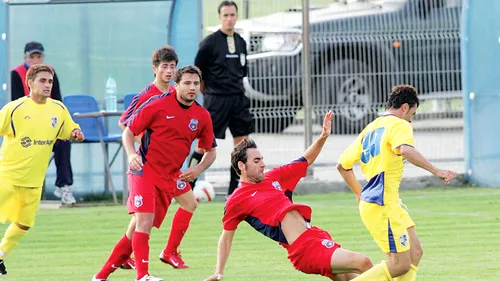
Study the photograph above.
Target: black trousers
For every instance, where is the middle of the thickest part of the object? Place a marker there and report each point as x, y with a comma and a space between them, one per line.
62, 159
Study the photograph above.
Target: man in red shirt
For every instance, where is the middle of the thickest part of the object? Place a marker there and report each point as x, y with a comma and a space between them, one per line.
164, 62
264, 200
168, 124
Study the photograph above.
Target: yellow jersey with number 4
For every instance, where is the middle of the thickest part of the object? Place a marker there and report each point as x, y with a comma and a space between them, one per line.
30, 131
377, 150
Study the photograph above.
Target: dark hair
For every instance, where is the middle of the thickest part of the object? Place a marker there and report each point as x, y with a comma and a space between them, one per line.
186, 69
227, 3
164, 54
240, 153
402, 94
37, 68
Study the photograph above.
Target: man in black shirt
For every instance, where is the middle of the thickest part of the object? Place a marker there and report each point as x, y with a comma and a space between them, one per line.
222, 60
33, 54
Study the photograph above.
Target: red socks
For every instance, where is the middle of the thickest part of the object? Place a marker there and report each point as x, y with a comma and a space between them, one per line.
140, 244
180, 224
119, 255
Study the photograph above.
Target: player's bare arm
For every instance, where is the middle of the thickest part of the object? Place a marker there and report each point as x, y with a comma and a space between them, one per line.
417, 159
194, 172
224, 248
77, 135
313, 151
350, 179
134, 160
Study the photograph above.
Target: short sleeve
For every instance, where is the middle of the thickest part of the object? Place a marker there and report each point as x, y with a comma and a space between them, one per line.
129, 111
352, 154
401, 134
289, 175
142, 118
68, 125
5, 119
232, 217
206, 137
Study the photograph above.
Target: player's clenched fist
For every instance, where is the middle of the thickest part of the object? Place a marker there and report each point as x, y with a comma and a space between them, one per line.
216, 276
77, 135
135, 162
446, 175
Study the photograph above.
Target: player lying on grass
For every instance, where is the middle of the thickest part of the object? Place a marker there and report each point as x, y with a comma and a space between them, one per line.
264, 200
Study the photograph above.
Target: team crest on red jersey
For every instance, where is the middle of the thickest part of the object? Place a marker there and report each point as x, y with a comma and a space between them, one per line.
181, 185
193, 125
138, 201
328, 243
277, 185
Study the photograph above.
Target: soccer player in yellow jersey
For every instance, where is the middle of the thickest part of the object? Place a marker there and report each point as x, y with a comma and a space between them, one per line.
30, 126
380, 149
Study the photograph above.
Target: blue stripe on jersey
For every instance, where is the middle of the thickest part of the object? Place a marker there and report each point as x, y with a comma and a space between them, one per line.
12, 121
151, 99
130, 109
289, 194
273, 232
301, 159
373, 191
133, 104
392, 244
60, 128
59, 105
145, 140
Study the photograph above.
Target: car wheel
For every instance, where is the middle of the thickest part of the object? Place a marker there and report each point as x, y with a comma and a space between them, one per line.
347, 88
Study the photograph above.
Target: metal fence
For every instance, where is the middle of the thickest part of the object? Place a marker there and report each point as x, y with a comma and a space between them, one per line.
359, 50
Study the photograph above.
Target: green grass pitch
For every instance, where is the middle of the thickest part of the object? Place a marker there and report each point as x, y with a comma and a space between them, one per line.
458, 229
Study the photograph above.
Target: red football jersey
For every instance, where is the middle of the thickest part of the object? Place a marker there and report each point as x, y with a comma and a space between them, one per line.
150, 91
265, 204
169, 129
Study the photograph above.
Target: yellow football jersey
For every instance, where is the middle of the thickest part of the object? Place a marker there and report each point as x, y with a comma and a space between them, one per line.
30, 131
377, 150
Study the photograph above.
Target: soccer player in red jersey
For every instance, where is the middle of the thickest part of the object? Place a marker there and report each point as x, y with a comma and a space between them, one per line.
170, 124
164, 62
264, 200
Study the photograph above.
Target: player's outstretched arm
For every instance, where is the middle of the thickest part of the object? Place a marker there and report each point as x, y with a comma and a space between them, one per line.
313, 151
224, 248
417, 159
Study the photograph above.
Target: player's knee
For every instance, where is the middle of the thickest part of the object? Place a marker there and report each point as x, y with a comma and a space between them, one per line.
190, 206
418, 252
364, 263
402, 267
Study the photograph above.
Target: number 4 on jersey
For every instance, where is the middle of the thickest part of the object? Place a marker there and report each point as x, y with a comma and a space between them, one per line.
371, 144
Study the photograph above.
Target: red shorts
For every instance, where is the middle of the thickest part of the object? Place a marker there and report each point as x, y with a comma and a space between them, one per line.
148, 196
312, 252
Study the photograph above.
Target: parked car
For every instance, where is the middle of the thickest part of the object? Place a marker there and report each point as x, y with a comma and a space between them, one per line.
359, 50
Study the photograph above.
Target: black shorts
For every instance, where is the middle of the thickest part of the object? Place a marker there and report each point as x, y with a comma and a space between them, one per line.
231, 111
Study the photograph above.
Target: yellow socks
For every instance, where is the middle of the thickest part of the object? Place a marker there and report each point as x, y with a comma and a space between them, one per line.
379, 272
409, 276
10, 239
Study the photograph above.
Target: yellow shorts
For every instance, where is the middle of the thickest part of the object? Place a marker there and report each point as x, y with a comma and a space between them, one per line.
18, 203
388, 225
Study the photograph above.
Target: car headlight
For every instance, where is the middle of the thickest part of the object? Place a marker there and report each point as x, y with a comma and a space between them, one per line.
280, 42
